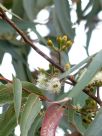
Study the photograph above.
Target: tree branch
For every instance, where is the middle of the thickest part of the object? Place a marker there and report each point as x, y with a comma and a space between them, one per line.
93, 96
27, 40
30, 43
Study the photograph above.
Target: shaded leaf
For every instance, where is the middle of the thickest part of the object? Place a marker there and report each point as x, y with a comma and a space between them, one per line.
32, 7
64, 58
62, 9
34, 130
5, 9
32, 88
6, 94
17, 90
78, 122
79, 10
18, 9
51, 120
90, 3
7, 3
1, 56
31, 110
8, 122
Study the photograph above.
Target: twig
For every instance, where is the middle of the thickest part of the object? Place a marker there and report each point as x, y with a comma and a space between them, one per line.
98, 95
93, 96
67, 82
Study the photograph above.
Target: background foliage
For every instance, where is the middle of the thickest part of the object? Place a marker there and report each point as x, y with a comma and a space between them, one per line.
21, 97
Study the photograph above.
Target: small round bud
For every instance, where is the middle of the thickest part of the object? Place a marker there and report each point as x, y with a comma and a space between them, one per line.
64, 38
50, 43
59, 39
67, 66
69, 43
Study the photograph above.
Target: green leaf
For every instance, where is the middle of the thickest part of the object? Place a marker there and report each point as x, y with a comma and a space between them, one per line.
93, 68
62, 9
29, 8
18, 4
31, 110
34, 130
8, 122
65, 74
5, 9
8, 4
79, 10
89, 34
64, 58
17, 90
32, 88
32, 7
6, 94
1, 56
90, 3
78, 122
95, 127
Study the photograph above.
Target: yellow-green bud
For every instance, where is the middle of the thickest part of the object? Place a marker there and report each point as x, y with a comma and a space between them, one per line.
59, 39
67, 66
50, 43
69, 43
64, 38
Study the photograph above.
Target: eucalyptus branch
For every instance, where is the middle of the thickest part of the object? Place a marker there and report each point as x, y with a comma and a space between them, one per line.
27, 40
98, 94
93, 96
31, 44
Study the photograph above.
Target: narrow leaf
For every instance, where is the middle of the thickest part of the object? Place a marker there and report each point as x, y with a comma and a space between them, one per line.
31, 110
65, 74
17, 89
62, 9
6, 94
32, 88
7, 122
93, 68
5, 9
34, 130
51, 120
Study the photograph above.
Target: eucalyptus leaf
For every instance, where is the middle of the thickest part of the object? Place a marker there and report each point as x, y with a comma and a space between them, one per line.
8, 122
31, 110
17, 90
62, 9
32, 7
32, 88
5, 9
6, 94
93, 68
35, 126
65, 74
78, 122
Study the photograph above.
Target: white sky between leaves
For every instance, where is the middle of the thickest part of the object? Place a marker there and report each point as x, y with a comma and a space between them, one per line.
76, 54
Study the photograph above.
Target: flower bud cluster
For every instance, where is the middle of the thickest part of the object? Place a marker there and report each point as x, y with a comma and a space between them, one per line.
64, 43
